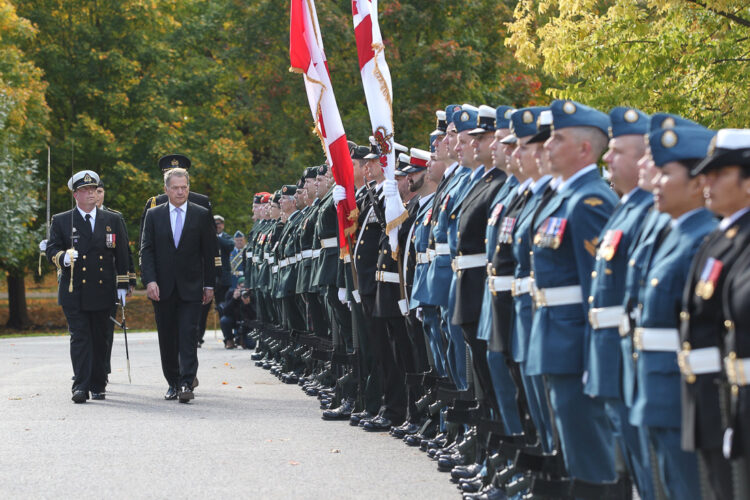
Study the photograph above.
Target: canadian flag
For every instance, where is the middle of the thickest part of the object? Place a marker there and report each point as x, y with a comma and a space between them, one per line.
376, 79
308, 57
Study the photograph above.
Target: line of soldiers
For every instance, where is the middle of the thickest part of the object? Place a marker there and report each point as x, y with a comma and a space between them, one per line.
539, 331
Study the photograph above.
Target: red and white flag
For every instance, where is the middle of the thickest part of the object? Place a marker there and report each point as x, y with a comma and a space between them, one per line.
308, 57
376, 79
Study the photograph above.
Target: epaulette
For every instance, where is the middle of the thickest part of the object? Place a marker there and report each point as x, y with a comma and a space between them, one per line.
152, 202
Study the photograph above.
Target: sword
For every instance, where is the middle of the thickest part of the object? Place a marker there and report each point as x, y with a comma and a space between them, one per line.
125, 333
48, 191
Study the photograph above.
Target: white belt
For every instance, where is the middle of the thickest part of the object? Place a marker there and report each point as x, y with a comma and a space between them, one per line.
423, 258
558, 296
443, 249
275, 269
293, 260
270, 260
738, 370
316, 253
306, 254
255, 259
469, 261
386, 277
297, 257
283, 263
431, 254
694, 362
266, 255
520, 286
329, 243
347, 258
656, 339
606, 317
500, 283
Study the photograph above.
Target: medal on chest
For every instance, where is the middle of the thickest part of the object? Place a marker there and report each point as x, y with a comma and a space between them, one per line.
551, 233
495, 214
709, 278
427, 218
110, 239
445, 203
608, 248
506, 230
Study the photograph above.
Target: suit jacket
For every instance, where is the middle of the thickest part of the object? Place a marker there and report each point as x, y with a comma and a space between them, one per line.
585, 205
472, 226
657, 397
702, 325
190, 267
604, 360
102, 264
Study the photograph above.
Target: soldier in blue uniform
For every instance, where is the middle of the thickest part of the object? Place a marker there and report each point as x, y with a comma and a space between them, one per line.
702, 329
656, 406
566, 234
626, 147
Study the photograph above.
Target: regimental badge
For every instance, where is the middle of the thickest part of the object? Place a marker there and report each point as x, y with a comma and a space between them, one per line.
495, 214
528, 117
464, 116
175, 162
709, 278
594, 202
428, 217
631, 116
669, 139
608, 248
87, 178
668, 123
109, 229
110, 239
506, 230
569, 108
508, 112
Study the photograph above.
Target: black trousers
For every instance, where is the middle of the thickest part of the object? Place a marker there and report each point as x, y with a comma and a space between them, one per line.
88, 348
110, 338
481, 366
176, 322
200, 328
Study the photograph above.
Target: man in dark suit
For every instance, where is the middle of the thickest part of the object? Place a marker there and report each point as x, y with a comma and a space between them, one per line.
178, 262
90, 247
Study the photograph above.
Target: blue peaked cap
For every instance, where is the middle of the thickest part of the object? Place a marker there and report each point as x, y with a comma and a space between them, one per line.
679, 143
628, 121
567, 113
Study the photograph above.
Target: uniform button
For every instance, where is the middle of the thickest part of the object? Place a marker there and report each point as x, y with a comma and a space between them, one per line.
635, 356
83, 269
101, 269
593, 274
458, 234
728, 324
84, 257
684, 316
361, 242
485, 241
654, 282
100, 257
100, 282
453, 216
83, 281
632, 262
518, 240
591, 299
383, 266
358, 256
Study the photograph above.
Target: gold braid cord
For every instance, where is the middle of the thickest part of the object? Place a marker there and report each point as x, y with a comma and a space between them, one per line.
396, 222
378, 48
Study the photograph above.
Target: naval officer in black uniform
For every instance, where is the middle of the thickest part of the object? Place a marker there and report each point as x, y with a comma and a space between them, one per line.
90, 247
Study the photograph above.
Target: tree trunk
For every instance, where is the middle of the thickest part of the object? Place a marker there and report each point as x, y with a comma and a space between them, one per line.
19, 314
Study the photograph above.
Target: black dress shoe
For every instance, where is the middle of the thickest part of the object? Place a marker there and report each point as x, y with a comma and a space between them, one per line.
466, 471
185, 394
404, 430
171, 394
195, 382
378, 424
98, 395
471, 485
356, 418
80, 396
343, 412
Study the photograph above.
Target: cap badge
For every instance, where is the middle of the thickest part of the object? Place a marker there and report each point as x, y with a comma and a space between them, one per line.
569, 108
631, 116
175, 162
669, 139
508, 112
464, 117
87, 178
668, 122
528, 117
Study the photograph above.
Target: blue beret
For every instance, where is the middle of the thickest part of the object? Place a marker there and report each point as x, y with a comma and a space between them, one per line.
566, 113
432, 141
523, 121
239, 234
679, 143
449, 110
627, 121
466, 118
666, 120
502, 116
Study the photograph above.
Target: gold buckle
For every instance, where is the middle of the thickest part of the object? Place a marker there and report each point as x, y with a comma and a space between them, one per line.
454, 265
540, 298
684, 363
638, 338
593, 321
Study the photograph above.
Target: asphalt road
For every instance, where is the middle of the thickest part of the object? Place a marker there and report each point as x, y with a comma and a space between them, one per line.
246, 433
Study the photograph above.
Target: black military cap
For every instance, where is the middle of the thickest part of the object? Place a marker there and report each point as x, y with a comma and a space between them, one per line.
374, 150
101, 184
174, 161
358, 152
311, 172
276, 197
288, 189
729, 147
323, 169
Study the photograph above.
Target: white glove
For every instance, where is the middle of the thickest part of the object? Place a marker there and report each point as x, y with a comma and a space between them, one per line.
43, 245
390, 188
420, 314
72, 252
342, 295
121, 295
339, 193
